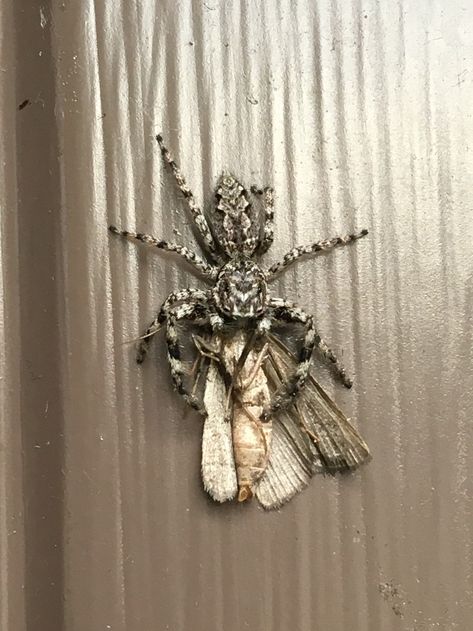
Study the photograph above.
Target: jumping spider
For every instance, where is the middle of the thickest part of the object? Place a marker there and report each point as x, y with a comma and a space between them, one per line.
233, 235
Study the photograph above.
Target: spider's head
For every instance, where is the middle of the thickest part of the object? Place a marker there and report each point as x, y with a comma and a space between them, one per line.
240, 290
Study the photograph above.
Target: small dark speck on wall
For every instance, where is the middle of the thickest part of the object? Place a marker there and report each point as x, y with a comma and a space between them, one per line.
23, 104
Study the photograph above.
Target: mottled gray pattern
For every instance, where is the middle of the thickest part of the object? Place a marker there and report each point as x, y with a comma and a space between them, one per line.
240, 290
239, 295
360, 115
235, 222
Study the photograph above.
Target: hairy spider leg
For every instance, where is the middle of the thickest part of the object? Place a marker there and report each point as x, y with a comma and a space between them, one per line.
184, 312
319, 343
332, 358
282, 311
199, 217
189, 296
267, 196
327, 244
197, 263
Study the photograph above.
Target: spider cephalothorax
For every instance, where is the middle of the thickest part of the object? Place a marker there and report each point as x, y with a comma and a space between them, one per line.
240, 290
234, 233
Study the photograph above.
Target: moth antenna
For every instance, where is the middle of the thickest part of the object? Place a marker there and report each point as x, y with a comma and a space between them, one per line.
142, 337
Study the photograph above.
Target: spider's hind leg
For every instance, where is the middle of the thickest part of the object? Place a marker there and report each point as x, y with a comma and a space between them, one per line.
267, 196
197, 213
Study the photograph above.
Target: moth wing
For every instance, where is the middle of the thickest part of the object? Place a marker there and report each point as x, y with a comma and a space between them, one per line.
292, 463
311, 436
218, 465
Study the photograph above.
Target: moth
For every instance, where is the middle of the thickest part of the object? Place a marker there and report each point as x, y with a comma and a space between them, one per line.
268, 424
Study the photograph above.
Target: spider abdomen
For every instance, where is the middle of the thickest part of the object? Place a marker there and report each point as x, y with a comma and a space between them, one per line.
235, 222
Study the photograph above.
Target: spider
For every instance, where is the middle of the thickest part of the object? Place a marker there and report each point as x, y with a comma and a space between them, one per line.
234, 235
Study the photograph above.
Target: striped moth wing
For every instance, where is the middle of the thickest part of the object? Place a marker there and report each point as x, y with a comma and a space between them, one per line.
243, 456
218, 465
311, 436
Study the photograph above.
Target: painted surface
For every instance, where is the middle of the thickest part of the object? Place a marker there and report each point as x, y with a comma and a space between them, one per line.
359, 114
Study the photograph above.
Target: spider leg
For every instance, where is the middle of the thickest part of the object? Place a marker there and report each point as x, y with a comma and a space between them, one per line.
327, 244
267, 195
198, 215
186, 311
281, 310
289, 310
332, 358
197, 263
188, 295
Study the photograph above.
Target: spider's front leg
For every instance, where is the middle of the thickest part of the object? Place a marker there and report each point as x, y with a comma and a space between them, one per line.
191, 296
192, 312
283, 311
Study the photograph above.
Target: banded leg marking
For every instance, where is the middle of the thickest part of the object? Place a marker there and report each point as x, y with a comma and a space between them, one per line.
197, 263
198, 215
267, 196
327, 244
185, 295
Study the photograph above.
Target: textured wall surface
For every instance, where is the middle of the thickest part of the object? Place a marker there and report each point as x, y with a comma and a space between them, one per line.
359, 114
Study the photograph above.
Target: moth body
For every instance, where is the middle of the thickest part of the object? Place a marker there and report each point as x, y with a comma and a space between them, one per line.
250, 397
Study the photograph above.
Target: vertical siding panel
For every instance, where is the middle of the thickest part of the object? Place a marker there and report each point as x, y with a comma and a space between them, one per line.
358, 113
